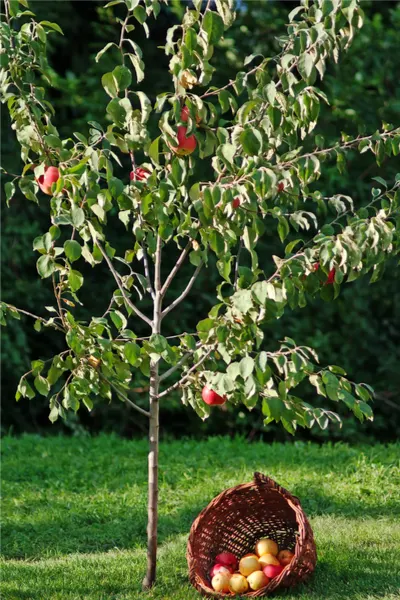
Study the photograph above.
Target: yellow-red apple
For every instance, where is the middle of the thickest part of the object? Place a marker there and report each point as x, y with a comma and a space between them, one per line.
248, 564
139, 174
257, 580
219, 568
220, 582
285, 557
268, 559
266, 546
238, 584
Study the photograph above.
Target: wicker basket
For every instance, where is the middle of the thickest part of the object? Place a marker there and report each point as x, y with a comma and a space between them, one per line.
236, 519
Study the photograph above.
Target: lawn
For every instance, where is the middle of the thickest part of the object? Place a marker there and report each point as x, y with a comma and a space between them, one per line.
74, 514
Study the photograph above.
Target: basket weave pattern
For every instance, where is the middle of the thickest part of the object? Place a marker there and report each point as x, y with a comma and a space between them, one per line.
236, 519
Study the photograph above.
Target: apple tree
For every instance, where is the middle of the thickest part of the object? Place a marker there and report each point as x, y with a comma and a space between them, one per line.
257, 139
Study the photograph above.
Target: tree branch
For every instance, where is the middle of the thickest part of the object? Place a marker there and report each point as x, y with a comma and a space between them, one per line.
150, 288
126, 399
176, 268
41, 319
157, 268
241, 243
184, 293
186, 377
179, 363
121, 287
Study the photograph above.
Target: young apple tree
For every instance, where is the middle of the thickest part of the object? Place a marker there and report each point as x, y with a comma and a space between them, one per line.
255, 136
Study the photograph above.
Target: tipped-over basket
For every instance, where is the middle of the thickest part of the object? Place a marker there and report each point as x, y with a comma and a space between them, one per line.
236, 519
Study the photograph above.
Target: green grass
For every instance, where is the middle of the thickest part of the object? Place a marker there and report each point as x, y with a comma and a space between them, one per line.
74, 514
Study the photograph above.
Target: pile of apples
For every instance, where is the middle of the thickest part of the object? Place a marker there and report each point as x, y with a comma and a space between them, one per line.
253, 571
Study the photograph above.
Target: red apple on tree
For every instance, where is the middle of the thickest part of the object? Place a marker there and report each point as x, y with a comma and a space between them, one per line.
186, 145
139, 174
236, 203
45, 181
331, 277
281, 187
185, 114
212, 398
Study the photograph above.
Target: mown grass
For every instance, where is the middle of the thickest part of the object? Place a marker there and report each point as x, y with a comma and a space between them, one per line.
74, 514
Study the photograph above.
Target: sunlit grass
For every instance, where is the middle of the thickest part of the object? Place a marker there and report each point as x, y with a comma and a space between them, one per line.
74, 514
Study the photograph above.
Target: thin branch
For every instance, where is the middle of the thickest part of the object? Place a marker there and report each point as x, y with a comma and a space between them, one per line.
184, 293
186, 377
241, 244
57, 297
121, 287
179, 363
108, 308
176, 268
127, 400
41, 319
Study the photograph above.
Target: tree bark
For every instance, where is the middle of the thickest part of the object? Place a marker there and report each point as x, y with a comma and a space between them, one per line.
152, 502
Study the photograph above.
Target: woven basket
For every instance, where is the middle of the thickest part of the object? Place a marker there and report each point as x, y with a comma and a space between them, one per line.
236, 519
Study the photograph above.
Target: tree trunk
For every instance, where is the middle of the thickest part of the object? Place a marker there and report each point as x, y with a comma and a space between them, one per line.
152, 505
152, 501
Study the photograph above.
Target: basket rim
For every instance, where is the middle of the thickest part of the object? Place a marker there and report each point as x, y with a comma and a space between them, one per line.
258, 479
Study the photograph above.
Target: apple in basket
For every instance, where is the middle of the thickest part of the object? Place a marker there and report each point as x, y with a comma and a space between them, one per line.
218, 568
220, 582
266, 546
248, 564
257, 580
268, 559
238, 584
272, 571
227, 559
285, 557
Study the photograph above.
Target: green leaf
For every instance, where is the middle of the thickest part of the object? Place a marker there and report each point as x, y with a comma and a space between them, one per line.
104, 50
140, 14
246, 366
132, 353
78, 216
118, 319
10, 190
122, 77
109, 84
153, 150
227, 152
53, 416
75, 280
145, 106
213, 25
251, 141
138, 65
42, 385
53, 141
283, 228
116, 186
53, 26
273, 406
72, 250
305, 66
45, 266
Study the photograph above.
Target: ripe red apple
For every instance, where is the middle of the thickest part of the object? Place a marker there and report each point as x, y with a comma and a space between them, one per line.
186, 145
285, 557
139, 174
212, 398
281, 187
226, 558
185, 115
331, 277
45, 181
236, 203
272, 570
219, 568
